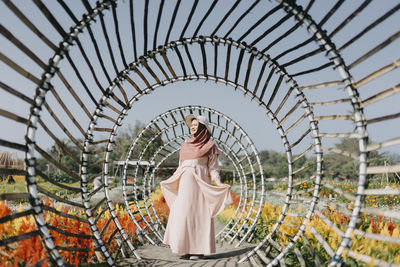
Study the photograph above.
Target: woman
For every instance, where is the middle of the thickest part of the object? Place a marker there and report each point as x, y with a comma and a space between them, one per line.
192, 200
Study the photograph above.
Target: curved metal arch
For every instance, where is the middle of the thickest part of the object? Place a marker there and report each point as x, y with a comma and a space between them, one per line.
244, 177
107, 95
164, 129
98, 113
200, 39
359, 118
43, 88
280, 130
289, 80
317, 28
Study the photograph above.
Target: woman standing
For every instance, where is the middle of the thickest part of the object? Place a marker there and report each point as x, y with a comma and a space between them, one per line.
192, 200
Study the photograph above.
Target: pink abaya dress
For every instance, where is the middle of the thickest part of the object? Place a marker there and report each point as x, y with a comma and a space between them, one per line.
193, 203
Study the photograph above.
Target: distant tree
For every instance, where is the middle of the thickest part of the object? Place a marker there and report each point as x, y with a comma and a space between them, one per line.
346, 167
274, 164
392, 158
124, 140
69, 155
349, 145
151, 147
65, 153
340, 166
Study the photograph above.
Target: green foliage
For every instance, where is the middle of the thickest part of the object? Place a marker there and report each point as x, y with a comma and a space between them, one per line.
12, 188
349, 145
54, 189
274, 164
65, 153
116, 180
269, 186
68, 154
125, 138
60, 177
20, 186
345, 167
340, 166
153, 147
334, 165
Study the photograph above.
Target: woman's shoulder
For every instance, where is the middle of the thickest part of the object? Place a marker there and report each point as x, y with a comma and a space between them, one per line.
184, 143
213, 143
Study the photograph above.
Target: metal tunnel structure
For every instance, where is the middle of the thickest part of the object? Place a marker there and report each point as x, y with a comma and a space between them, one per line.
82, 66
234, 143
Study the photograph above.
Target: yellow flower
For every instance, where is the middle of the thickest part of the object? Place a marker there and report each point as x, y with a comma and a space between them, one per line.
396, 232
59, 207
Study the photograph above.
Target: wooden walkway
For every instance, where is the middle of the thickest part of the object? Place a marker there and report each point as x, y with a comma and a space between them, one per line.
162, 256
226, 255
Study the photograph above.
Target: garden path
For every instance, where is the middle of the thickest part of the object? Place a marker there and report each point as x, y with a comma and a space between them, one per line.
226, 255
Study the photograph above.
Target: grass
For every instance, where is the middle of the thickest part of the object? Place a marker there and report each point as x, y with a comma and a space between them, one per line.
20, 187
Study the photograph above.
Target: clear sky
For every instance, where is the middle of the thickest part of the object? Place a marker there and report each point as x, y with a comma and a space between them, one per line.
217, 96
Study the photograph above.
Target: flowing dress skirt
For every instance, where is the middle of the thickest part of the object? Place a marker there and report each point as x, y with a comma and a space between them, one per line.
193, 203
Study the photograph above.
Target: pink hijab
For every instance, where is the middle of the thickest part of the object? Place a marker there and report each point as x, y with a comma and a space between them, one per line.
200, 145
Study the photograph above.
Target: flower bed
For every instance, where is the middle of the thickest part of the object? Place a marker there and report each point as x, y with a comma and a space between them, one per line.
29, 251
370, 224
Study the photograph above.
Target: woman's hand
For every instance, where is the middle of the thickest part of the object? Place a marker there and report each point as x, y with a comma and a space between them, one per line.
218, 183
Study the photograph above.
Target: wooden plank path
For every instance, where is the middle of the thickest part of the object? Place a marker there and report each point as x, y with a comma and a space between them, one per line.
226, 255
162, 256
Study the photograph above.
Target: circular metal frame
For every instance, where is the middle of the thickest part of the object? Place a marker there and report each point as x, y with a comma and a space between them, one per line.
147, 68
174, 127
